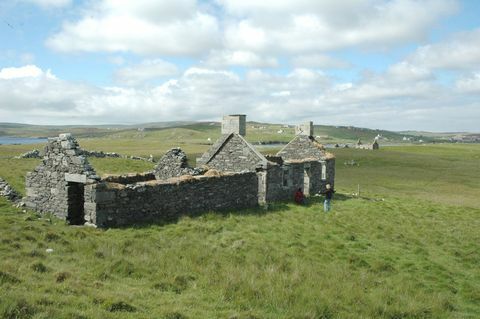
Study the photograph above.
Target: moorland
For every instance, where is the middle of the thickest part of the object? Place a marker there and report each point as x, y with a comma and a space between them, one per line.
405, 247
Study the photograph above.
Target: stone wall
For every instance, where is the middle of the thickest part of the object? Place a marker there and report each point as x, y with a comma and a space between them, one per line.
304, 129
174, 163
129, 178
30, 154
99, 154
330, 172
282, 182
8, 192
234, 154
49, 184
117, 204
303, 147
234, 124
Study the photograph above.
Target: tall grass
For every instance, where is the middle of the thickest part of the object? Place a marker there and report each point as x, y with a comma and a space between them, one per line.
369, 258
407, 248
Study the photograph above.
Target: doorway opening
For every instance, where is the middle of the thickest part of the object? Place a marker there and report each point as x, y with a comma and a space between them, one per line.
75, 202
306, 180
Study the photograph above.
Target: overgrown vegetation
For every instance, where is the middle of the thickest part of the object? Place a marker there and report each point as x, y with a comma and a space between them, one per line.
407, 248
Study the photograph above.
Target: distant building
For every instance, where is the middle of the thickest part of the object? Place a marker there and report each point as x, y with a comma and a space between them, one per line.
373, 146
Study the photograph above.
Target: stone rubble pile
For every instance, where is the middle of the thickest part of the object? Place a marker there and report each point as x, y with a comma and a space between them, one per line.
8, 192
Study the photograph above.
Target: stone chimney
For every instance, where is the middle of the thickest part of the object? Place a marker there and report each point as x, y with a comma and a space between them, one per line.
235, 123
304, 129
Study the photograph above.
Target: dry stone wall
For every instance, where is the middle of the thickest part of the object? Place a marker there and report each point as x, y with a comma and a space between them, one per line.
174, 163
129, 178
48, 186
330, 173
117, 205
283, 181
30, 154
301, 148
234, 155
280, 182
8, 192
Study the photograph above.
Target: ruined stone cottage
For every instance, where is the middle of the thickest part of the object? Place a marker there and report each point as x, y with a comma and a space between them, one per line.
233, 175
373, 146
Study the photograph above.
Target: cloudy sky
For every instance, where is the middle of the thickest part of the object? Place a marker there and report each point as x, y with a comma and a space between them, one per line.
400, 64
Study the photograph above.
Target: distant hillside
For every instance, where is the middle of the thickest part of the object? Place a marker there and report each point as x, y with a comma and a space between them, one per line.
28, 130
206, 132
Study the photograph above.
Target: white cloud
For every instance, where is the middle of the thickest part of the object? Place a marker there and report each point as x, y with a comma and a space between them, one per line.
309, 26
470, 84
31, 93
378, 100
27, 71
50, 3
319, 61
240, 58
249, 33
460, 51
148, 27
405, 71
117, 60
146, 70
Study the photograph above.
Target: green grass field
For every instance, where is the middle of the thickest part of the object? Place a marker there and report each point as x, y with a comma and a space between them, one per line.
408, 247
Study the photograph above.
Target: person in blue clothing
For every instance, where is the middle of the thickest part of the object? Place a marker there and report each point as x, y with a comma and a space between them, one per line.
327, 205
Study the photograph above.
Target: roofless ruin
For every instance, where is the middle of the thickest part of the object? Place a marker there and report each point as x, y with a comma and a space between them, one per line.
231, 175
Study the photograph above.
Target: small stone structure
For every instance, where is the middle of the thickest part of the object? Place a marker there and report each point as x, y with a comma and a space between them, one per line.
234, 124
373, 146
62, 183
238, 177
8, 192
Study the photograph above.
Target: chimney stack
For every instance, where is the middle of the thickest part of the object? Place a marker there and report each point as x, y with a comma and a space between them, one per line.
304, 129
235, 123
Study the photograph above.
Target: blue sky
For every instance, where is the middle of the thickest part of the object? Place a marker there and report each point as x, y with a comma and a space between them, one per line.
398, 65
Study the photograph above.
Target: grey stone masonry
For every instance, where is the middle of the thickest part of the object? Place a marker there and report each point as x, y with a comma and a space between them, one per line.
129, 178
99, 154
373, 146
50, 187
30, 154
304, 147
304, 129
8, 192
174, 163
238, 177
118, 205
232, 153
234, 124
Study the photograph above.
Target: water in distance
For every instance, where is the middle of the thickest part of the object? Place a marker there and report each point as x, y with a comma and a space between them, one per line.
8, 140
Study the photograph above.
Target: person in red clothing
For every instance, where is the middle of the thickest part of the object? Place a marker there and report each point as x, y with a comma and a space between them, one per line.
299, 197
